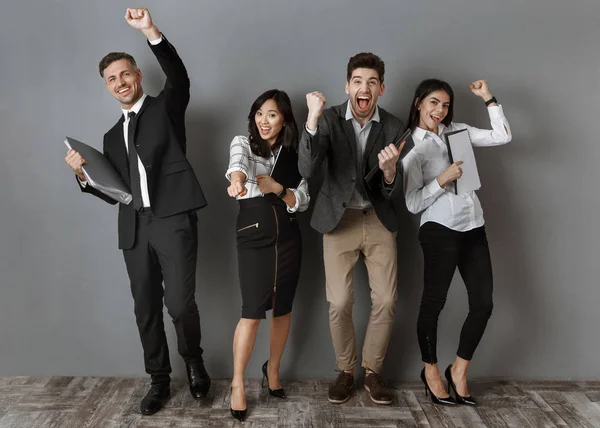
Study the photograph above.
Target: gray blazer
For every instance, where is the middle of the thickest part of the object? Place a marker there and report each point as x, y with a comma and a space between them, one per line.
335, 144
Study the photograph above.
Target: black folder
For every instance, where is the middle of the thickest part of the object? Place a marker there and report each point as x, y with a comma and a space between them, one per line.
374, 170
285, 171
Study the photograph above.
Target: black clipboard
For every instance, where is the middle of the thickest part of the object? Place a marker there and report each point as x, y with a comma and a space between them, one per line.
450, 154
374, 170
285, 171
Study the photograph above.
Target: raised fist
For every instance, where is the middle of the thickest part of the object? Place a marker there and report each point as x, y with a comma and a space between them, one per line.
139, 18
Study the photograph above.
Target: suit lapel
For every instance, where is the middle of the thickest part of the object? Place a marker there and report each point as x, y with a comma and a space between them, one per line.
116, 149
135, 122
373, 135
348, 129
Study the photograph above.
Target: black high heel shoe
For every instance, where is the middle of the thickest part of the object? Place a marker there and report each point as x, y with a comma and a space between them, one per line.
279, 393
240, 415
448, 401
469, 400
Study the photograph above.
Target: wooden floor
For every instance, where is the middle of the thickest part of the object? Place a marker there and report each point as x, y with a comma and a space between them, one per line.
77, 402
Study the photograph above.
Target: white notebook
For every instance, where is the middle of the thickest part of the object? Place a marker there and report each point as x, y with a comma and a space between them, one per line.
460, 148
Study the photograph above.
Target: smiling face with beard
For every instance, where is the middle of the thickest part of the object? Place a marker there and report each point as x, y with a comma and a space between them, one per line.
364, 88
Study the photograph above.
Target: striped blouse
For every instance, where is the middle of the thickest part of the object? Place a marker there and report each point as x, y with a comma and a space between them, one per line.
243, 160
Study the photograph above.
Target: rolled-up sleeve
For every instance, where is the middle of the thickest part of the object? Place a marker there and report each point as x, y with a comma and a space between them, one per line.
302, 197
239, 153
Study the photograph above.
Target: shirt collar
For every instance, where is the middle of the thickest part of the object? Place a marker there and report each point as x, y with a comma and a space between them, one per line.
421, 133
349, 115
136, 107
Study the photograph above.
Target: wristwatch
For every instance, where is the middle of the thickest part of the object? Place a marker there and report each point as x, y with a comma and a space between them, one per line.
490, 101
281, 194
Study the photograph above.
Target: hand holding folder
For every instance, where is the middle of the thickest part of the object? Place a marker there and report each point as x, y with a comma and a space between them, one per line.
99, 173
460, 149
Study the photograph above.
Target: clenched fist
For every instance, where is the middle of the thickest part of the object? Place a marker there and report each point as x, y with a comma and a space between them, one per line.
75, 162
236, 188
140, 19
315, 102
480, 88
453, 172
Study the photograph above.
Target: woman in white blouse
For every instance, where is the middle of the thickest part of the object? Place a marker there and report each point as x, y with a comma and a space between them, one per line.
268, 238
452, 232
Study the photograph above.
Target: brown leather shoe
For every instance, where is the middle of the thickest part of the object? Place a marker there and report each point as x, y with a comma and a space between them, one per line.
379, 393
340, 391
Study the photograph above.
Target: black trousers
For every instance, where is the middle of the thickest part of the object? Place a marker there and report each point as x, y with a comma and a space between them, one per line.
443, 250
166, 250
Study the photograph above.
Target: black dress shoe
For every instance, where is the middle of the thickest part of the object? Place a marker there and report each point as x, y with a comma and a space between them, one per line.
279, 393
469, 400
155, 399
447, 401
198, 379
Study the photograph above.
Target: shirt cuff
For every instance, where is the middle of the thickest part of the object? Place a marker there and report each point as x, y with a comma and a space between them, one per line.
386, 184
81, 183
236, 169
297, 205
434, 188
156, 42
310, 131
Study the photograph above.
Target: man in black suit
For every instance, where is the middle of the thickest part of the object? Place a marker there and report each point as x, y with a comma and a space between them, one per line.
158, 229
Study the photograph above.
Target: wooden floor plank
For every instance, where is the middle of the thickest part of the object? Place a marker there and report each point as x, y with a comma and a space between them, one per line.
106, 402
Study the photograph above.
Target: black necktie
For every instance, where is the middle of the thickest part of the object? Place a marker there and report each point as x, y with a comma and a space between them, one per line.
134, 172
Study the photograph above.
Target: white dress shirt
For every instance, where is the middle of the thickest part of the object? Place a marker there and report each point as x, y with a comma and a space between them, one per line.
429, 158
141, 168
243, 160
143, 177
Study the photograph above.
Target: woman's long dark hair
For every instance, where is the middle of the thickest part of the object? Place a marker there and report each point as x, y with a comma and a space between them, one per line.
425, 88
288, 136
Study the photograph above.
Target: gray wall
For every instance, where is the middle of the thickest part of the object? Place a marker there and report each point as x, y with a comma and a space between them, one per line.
65, 306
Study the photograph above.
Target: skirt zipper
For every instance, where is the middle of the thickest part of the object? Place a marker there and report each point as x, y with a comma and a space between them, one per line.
276, 256
248, 227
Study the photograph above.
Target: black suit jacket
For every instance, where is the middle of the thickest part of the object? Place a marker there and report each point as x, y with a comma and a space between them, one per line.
160, 141
335, 144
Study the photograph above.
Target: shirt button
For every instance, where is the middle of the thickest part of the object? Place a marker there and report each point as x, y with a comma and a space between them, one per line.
353, 179
344, 204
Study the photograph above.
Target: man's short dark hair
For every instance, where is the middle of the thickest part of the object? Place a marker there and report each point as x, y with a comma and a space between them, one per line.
112, 57
366, 60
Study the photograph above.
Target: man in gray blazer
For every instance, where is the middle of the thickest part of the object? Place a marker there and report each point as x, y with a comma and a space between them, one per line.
356, 217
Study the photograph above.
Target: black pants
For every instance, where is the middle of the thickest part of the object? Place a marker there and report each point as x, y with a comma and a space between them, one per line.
443, 250
165, 249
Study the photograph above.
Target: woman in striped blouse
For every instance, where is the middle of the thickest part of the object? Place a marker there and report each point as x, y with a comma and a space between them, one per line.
268, 238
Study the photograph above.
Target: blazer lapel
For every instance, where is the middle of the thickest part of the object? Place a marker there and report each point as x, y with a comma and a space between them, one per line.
116, 149
348, 129
373, 135
147, 101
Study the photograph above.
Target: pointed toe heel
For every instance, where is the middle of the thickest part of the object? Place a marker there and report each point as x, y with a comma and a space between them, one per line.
467, 401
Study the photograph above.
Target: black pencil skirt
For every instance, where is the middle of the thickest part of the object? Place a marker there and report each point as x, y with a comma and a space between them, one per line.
269, 249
